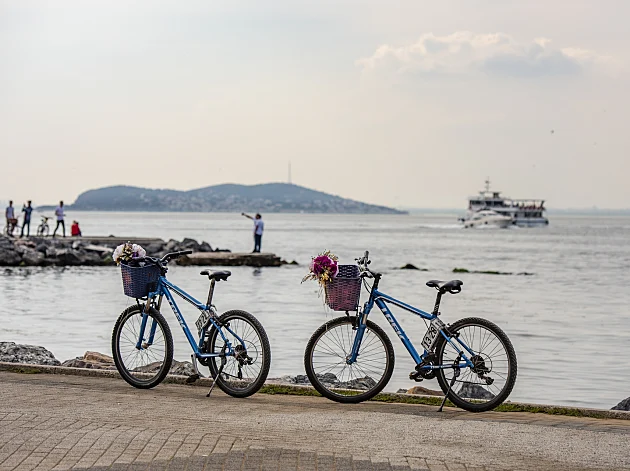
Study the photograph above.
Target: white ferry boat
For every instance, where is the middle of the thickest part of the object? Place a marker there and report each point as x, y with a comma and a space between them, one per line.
523, 212
487, 218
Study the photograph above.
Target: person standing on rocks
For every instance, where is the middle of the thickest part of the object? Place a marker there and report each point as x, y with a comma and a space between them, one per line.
27, 210
60, 221
10, 216
259, 227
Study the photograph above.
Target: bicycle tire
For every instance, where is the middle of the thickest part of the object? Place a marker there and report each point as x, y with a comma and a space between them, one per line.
335, 393
43, 230
260, 353
119, 361
474, 405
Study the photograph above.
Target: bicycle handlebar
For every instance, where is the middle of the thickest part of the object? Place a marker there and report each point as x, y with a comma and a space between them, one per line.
363, 263
178, 254
165, 258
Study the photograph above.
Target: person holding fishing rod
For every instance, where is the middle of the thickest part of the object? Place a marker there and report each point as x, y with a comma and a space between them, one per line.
259, 227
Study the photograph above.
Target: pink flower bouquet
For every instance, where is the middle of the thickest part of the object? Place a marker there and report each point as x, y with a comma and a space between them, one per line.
323, 268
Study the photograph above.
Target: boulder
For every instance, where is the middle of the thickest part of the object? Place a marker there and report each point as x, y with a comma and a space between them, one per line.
205, 247
423, 391
364, 383
409, 266
184, 368
31, 354
9, 256
623, 405
299, 379
154, 248
90, 258
33, 258
171, 246
474, 391
189, 244
92, 360
67, 257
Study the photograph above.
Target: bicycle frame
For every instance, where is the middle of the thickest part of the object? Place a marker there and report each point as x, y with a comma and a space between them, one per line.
165, 289
381, 300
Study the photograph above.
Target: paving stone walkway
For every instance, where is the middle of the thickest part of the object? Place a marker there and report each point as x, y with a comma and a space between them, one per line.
70, 422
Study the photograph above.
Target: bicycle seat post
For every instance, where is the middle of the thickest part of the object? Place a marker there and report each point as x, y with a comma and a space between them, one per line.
437, 303
210, 293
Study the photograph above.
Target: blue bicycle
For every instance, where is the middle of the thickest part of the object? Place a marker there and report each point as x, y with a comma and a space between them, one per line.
234, 345
350, 359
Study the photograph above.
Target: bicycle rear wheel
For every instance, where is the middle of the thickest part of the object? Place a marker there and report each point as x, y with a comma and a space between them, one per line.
330, 374
244, 373
143, 366
490, 382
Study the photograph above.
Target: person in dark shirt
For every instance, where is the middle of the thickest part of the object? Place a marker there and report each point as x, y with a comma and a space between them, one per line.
27, 210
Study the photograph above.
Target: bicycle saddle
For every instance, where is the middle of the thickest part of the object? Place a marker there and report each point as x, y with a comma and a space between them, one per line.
217, 275
453, 286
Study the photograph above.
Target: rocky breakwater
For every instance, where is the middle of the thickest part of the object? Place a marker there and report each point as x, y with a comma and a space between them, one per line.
84, 251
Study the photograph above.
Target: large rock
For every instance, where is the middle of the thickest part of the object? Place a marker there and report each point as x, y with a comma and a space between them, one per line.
363, 384
184, 368
189, 244
475, 391
9, 256
33, 258
288, 379
67, 257
205, 247
423, 391
92, 360
623, 405
31, 354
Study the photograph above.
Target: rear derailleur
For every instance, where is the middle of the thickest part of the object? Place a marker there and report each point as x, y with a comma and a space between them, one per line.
480, 368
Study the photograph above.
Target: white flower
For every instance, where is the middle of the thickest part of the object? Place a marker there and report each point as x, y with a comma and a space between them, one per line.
118, 252
139, 251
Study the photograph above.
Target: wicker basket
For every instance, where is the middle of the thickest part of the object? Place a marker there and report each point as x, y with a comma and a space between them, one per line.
139, 281
343, 292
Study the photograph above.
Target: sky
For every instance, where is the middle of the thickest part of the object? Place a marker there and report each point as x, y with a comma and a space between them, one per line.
408, 103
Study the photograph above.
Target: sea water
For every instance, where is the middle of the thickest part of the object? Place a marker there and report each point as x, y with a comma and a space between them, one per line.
569, 320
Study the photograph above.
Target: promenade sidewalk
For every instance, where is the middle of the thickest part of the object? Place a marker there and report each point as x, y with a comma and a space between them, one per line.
63, 422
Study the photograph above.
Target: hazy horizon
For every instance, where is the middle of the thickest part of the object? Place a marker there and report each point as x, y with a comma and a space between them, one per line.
551, 209
409, 105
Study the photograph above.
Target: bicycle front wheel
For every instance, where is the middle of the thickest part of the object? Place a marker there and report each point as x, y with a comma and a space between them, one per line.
325, 361
43, 230
491, 380
245, 372
142, 362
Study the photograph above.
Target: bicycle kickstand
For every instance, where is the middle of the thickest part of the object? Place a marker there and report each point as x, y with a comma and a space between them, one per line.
214, 383
450, 386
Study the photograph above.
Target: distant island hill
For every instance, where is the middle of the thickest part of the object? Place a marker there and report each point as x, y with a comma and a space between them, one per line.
268, 197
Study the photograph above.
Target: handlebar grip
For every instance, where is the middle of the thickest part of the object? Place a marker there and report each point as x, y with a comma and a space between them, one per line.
177, 254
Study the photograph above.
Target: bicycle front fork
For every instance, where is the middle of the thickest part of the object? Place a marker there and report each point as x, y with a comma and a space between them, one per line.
359, 327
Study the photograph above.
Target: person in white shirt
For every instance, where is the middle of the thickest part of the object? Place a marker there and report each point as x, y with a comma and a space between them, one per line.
259, 227
60, 221
11, 221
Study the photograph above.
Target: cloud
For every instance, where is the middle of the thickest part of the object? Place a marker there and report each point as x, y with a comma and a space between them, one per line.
494, 53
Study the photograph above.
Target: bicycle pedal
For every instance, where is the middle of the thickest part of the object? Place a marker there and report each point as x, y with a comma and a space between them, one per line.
192, 378
415, 375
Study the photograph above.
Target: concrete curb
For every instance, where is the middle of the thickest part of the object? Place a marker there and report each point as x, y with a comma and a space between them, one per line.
301, 390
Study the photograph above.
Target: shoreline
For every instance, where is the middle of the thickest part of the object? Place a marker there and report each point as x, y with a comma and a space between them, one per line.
271, 387
97, 251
